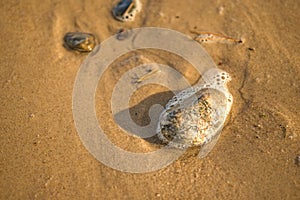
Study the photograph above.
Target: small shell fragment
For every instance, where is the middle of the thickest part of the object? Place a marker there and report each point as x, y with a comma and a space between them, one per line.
195, 116
126, 10
149, 73
207, 37
79, 41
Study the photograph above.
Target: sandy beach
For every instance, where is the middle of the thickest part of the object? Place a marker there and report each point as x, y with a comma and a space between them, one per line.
42, 155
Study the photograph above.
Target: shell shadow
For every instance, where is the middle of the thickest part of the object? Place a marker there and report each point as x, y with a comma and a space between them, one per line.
141, 120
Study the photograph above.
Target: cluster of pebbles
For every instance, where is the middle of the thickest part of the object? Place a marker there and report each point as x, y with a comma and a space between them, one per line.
193, 117
124, 11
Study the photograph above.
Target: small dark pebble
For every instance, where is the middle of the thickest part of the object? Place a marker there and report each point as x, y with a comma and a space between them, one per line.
283, 129
123, 34
297, 160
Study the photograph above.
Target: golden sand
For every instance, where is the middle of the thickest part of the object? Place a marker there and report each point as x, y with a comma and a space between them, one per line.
42, 156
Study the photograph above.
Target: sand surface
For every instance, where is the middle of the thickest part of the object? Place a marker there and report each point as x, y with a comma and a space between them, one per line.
42, 156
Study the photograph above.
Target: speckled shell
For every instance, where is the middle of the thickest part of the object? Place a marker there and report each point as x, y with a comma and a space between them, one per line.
126, 10
195, 116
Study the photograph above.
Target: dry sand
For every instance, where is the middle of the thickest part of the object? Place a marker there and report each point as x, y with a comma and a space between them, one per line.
42, 156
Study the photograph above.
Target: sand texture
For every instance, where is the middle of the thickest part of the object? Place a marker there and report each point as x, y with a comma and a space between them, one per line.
42, 156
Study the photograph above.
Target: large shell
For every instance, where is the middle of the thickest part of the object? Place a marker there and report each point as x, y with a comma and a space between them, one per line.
126, 10
195, 116
83, 42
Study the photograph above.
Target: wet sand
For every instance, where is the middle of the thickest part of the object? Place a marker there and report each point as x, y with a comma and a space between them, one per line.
42, 156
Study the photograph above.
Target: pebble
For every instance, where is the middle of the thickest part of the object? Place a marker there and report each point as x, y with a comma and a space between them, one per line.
79, 41
126, 10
